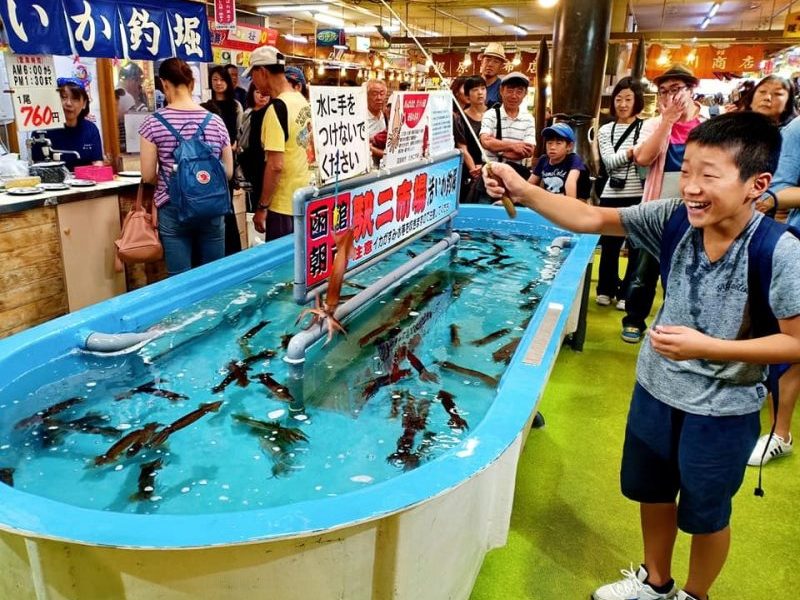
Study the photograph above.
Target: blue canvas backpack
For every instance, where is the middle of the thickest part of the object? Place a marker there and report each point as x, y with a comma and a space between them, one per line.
198, 186
759, 277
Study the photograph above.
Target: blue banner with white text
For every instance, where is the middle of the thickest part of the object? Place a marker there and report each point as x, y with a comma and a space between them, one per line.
136, 29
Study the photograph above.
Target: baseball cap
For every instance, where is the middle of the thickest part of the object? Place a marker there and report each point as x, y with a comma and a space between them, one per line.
515, 77
680, 72
264, 56
559, 130
294, 75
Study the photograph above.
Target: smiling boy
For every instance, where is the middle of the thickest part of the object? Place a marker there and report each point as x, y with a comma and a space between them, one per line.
700, 379
560, 170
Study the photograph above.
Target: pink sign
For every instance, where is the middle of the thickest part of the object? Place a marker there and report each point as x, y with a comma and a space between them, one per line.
225, 14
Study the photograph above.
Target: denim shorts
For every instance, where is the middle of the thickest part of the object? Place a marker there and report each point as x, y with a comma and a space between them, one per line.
698, 459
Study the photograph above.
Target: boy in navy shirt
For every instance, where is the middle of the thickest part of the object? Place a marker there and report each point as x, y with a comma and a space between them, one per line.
694, 415
560, 170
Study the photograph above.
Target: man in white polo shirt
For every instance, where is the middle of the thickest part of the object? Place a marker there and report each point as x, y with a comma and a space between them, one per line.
515, 139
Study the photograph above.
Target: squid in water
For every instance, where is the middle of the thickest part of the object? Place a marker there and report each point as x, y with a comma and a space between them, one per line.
147, 480
39, 417
237, 371
134, 440
448, 401
186, 420
323, 311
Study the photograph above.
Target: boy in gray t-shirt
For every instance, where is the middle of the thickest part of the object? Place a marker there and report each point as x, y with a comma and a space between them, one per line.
694, 416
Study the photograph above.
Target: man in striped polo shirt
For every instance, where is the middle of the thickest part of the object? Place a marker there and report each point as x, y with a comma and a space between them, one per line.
515, 139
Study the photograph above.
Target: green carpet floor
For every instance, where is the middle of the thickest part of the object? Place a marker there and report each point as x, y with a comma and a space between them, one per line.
572, 530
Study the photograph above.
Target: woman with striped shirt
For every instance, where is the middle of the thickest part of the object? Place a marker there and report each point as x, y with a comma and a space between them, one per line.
623, 188
186, 245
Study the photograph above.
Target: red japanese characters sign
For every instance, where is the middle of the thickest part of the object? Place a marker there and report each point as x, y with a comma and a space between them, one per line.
705, 61
381, 215
225, 14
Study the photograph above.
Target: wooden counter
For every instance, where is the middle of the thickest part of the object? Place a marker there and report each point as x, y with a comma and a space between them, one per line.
57, 251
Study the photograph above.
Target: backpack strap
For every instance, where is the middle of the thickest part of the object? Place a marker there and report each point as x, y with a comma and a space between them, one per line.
201, 128
677, 225
499, 133
160, 118
283, 116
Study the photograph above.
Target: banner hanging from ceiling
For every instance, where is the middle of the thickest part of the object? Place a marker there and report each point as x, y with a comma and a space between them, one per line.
136, 29
707, 62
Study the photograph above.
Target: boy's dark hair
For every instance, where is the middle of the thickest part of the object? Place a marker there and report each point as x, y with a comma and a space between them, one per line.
634, 85
752, 139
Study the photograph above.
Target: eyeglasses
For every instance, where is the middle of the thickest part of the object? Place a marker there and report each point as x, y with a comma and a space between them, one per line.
671, 91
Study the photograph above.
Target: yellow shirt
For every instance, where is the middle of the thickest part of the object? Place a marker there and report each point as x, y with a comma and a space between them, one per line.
296, 173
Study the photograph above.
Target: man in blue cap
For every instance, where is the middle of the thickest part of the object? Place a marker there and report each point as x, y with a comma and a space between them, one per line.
560, 170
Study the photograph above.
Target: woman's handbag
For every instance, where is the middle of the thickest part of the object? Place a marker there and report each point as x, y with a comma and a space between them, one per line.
138, 241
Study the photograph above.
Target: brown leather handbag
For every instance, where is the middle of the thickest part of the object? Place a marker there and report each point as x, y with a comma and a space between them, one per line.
138, 242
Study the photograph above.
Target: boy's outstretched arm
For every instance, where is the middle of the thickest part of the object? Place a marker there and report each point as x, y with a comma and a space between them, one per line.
683, 343
564, 211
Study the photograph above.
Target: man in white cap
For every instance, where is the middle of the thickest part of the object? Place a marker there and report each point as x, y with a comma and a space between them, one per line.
286, 137
492, 61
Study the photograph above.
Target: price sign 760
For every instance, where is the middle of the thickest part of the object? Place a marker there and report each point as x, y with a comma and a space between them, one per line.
38, 116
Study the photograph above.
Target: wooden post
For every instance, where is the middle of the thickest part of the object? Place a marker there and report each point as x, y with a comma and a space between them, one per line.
542, 69
108, 110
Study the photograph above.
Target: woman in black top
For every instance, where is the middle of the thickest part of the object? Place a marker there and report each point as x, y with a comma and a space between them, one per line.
224, 104
475, 90
222, 98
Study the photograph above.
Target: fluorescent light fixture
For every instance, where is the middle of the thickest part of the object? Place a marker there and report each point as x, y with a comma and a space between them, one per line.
714, 9
705, 22
329, 20
297, 39
493, 16
284, 8
341, 47
548, 3
518, 30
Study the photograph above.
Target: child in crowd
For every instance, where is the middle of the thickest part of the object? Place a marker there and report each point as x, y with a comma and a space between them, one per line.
560, 170
694, 414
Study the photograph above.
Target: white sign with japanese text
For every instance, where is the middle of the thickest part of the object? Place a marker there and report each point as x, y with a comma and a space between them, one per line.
420, 125
37, 104
440, 114
341, 139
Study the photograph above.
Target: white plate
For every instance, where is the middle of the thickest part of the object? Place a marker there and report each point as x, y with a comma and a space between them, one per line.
24, 191
53, 187
81, 182
130, 173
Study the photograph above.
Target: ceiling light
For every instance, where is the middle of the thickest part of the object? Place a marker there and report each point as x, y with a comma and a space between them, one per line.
518, 30
705, 22
517, 60
377, 62
297, 39
329, 20
370, 28
493, 16
467, 59
341, 47
548, 3
321, 69
343, 72
714, 9
283, 8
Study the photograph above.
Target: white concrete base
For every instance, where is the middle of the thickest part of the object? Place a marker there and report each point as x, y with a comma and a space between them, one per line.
432, 551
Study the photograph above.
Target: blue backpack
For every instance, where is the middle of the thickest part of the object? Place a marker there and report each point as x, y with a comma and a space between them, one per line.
198, 186
759, 277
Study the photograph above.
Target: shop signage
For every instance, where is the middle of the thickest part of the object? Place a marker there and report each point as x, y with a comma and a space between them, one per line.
453, 64
225, 14
136, 29
791, 27
37, 104
381, 214
341, 140
244, 37
330, 37
420, 125
707, 61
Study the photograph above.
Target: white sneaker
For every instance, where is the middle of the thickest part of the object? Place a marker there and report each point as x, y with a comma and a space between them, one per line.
632, 587
684, 596
777, 447
603, 300
621, 304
